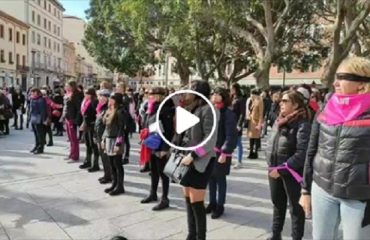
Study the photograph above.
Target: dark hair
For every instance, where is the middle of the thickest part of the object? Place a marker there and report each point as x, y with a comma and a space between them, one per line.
297, 98
202, 87
91, 91
237, 89
256, 91
224, 93
36, 90
73, 85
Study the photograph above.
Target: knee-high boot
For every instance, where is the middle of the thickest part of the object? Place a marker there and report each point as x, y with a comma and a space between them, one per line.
114, 175
251, 147
199, 212
192, 231
120, 175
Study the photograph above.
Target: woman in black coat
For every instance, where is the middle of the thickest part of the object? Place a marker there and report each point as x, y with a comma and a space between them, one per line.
88, 111
226, 142
38, 117
57, 113
159, 156
112, 142
18, 108
285, 155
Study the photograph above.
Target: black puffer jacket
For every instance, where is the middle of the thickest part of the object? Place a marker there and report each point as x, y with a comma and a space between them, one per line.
89, 116
239, 107
289, 144
338, 159
72, 108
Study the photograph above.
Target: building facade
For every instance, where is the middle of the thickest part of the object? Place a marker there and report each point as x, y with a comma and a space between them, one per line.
13, 51
45, 41
88, 71
69, 61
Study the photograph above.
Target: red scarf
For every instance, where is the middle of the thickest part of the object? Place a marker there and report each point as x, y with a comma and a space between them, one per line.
284, 120
99, 108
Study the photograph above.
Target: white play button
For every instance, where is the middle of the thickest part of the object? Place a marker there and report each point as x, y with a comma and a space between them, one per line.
185, 120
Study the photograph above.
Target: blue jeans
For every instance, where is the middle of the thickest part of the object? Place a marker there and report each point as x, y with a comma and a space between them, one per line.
240, 149
328, 212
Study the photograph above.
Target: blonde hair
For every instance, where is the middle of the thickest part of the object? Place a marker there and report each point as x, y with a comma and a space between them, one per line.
122, 85
106, 85
359, 66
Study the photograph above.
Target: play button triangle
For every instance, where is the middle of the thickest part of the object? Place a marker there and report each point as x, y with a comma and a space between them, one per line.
184, 120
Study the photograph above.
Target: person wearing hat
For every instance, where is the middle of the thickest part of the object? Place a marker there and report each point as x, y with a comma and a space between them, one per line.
226, 143
255, 120
201, 160
88, 112
159, 157
101, 109
337, 165
112, 142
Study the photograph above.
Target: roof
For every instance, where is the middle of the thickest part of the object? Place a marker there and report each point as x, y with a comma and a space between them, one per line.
72, 17
58, 4
13, 19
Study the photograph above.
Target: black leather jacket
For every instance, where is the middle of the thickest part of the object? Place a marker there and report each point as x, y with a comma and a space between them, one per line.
338, 159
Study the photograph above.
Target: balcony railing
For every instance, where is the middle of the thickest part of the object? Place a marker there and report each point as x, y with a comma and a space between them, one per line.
22, 68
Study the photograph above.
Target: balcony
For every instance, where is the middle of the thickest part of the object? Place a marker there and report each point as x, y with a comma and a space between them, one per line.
22, 68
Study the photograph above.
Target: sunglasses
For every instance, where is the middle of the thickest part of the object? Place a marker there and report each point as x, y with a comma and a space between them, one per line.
285, 100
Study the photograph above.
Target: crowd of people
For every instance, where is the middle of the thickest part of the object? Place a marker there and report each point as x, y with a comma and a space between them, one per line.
316, 153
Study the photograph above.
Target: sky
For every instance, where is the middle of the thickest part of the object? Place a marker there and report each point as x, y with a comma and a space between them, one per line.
75, 7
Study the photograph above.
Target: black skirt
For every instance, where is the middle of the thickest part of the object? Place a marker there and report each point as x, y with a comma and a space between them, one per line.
198, 180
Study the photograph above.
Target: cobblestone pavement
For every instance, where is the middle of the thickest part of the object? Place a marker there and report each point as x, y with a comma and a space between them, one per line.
44, 197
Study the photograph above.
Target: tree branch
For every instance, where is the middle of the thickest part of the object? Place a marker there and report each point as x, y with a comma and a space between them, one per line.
280, 20
258, 26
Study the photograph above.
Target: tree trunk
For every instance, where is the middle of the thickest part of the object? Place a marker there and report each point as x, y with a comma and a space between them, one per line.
330, 69
262, 75
184, 74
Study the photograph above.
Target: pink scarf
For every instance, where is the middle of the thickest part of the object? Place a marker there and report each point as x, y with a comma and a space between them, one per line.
343, 108
85, 104
99, 108
151, 104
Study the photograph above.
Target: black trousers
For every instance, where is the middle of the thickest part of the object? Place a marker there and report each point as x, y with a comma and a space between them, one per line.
285, 189
127, 145
39, 132
49, 133
156, 168
117, 171
91, 147
58, 126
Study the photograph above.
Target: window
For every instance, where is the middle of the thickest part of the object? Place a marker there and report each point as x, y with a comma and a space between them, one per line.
1, 31
49, 60
45, 42
24, 39
17, 37
49, 8
54, 29
38, 20
45, 4
33, 16
58, 31
45, 60
11, 58
10, 34
23, 60
58, 14
55, 13
45, 23
38, 39
49, 26
38, 58
54, 46
17, 59
2, 56
58, 47
49, 44
33, 37
39, 2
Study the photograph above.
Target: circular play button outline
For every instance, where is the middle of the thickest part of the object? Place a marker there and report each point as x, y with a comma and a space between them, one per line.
209, 135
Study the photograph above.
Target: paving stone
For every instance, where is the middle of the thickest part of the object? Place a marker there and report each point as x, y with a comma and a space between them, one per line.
38, 230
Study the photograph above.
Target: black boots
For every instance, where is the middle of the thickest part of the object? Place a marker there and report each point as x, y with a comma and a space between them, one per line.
151, 198
87, 162
275, 237
211, 208
95, 167
192, 230
163, 204
253, 152
199, 213
218, 212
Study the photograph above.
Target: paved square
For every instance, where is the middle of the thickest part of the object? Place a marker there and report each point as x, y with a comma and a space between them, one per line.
44, 197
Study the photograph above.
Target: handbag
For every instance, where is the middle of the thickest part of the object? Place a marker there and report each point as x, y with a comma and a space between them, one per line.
8, 114
174, 169
153, 141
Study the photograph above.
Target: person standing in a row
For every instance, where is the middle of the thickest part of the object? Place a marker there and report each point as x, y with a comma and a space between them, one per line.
18, 108
285, 155
57, 112
200, 161
226, 142
239, 107
72, 116
38, 118
112, 143
88, 111
101, 109
159, 156
255, 122
337, 166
